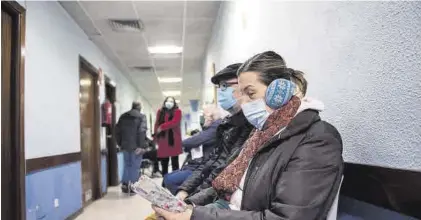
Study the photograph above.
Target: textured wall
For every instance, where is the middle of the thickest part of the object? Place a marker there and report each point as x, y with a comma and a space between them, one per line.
54, 43
363, 59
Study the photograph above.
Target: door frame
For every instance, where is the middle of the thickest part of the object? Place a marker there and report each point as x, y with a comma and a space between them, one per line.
13, 168
96, 176
112, 163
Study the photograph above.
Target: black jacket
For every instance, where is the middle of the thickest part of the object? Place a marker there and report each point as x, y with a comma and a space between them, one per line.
231, 134
131, 131
296, 175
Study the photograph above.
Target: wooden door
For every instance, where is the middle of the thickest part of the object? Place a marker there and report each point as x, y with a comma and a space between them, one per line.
12, 105
89, 129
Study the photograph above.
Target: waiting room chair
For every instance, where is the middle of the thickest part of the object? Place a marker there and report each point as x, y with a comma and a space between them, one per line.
333, 212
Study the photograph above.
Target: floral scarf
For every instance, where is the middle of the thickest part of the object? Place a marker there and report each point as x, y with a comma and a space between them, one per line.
229, 179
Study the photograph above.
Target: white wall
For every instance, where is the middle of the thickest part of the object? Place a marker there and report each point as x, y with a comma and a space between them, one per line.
54, 43
363, 59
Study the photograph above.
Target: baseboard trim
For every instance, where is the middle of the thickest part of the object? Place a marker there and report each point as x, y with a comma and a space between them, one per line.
75, 215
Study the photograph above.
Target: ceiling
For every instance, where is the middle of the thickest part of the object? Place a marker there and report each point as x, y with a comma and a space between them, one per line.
182, 23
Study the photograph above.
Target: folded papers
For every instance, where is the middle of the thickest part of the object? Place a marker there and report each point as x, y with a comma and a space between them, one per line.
158, 195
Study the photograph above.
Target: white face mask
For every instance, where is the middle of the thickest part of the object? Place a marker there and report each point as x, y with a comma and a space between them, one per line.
169, 104
256, 113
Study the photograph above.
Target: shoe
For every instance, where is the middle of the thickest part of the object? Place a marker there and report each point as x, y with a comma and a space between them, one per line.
124, 188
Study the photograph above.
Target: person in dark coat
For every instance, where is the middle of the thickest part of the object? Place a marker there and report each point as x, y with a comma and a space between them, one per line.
131, 137
231, 133
290, 167
205, 139
168, 134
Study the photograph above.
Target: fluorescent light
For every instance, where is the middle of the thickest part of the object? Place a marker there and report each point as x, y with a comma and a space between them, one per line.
172, 93
169, 79
165, 49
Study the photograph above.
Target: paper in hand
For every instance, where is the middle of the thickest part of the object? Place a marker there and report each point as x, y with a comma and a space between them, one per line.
157, 195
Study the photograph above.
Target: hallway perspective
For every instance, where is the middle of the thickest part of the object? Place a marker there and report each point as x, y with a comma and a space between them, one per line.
247, 109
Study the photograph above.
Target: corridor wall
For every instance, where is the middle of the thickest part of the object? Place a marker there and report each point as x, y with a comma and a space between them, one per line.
362, 59
52, 121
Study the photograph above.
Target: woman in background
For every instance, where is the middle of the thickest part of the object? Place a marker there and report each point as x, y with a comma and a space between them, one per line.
168, 134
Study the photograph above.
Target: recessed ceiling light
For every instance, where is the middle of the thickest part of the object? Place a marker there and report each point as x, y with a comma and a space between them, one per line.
169, 79
165, 49
172, 93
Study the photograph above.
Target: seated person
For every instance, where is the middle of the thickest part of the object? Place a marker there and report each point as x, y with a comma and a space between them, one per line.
197, 196
290, 167
206, 139
231, 134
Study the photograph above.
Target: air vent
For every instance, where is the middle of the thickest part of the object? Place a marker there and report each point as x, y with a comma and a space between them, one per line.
143, 68
126, 25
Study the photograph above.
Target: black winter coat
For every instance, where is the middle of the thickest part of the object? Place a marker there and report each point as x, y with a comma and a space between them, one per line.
296, 175
131, 131
231, 135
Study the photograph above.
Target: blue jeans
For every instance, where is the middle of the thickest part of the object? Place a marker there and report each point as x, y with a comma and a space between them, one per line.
131, 167
173, 180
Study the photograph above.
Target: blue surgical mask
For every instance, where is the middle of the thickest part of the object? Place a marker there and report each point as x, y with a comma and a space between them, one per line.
256, 113
226, 98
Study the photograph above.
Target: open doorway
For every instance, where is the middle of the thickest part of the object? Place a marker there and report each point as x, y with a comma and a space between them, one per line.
112, 164
90, 132
12, 111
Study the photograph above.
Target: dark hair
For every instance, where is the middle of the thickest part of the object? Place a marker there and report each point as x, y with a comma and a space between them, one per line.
272, 66
136, 105
164, 111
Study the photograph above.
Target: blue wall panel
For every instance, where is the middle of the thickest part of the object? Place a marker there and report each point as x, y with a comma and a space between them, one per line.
104, 176
43, 187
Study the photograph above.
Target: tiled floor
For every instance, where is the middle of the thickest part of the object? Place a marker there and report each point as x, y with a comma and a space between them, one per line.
117, 206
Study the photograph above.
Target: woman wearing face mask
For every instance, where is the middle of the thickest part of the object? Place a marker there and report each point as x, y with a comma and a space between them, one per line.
168, 134
291, 165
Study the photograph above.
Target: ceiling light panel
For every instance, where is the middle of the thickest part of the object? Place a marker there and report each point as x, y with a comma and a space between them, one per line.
169, 79
172, 93
165, 49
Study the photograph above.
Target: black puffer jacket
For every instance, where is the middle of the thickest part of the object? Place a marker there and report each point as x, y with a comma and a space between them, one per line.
294, 176
231, 134
131, 131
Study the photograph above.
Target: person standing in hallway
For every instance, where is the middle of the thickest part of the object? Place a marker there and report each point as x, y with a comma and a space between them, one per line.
131, 137
168, 134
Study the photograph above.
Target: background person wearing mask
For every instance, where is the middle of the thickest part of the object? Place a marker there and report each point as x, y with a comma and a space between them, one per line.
168, 134
131, 137
231, 133
295, 155
206, 139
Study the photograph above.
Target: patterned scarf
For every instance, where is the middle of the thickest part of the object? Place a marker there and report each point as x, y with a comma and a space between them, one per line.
229, 179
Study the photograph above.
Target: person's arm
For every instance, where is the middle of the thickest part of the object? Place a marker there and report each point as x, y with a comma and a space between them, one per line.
173, 123
118, 136
141, 132
313, 178
204, 137
203, 197
155, 130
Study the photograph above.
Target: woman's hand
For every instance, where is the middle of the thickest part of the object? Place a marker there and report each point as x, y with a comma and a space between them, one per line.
172, 215
182, 195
